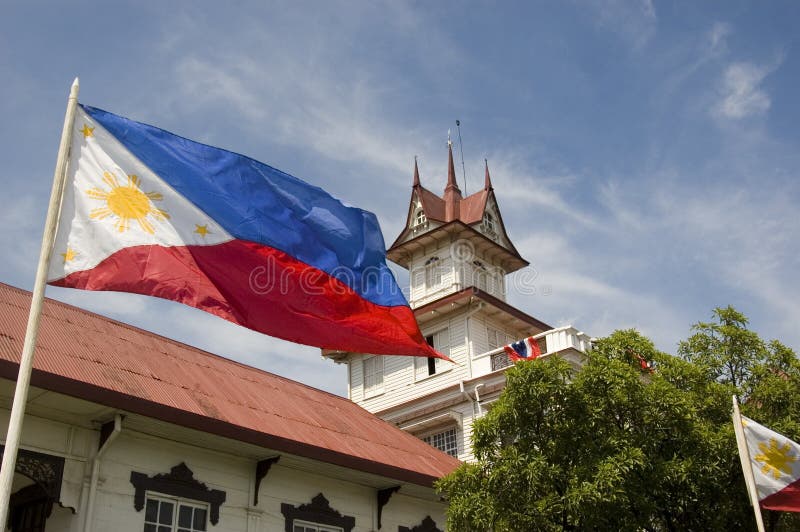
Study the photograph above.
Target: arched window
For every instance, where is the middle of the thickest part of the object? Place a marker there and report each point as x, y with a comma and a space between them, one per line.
480, 275
433, 272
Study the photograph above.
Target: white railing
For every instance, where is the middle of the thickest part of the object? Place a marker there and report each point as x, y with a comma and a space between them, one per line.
550, 342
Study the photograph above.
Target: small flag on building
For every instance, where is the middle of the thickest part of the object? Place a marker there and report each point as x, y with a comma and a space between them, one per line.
527, 349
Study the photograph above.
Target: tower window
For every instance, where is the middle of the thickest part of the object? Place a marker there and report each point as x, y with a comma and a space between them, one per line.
481, 275
489, 224
373, 376
420, 218
433, 272
426, 367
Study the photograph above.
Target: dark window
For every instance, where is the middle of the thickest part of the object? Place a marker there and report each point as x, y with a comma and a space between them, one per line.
164, 514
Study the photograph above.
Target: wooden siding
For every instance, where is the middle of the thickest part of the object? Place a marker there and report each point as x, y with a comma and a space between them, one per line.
399, 381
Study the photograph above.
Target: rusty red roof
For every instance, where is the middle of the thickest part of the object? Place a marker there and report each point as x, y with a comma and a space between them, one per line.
92, 357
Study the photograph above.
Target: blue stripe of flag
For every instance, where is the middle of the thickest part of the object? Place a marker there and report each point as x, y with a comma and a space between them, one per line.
255, 202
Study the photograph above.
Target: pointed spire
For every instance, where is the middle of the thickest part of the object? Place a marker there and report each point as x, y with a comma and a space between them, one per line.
451, 169
488, 182
452, 194
416, 173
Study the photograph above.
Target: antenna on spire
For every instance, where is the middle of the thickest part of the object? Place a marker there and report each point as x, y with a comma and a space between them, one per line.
461, 147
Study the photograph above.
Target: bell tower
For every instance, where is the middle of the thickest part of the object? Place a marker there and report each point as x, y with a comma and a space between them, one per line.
450, 243
458, 255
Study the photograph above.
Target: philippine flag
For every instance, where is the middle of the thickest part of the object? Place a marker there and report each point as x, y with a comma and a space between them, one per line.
775, 462
149, 212
526, 349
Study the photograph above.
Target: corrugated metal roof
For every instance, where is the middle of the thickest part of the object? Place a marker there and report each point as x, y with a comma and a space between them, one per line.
95, 358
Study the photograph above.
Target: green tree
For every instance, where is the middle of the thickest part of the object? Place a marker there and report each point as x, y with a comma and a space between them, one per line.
610, 447
764, 375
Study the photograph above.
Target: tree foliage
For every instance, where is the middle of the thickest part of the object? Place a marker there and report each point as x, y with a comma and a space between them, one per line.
609, 446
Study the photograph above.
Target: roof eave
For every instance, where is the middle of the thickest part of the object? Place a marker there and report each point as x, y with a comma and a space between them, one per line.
401, 252
177, 416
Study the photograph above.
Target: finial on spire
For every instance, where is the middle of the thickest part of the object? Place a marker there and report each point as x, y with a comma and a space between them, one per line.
449, 142
416, 173
488, 182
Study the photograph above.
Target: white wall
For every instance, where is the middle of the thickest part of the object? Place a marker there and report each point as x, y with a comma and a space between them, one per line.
228, 471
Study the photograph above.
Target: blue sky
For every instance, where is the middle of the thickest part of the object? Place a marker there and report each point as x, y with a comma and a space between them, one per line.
645, 154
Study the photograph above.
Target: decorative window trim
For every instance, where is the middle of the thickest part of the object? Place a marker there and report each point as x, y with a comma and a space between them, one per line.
427, 525
179, 482
262, 468
383, 499
44, 469
318, 511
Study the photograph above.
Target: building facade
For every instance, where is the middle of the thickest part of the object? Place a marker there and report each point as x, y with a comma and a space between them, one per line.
128, 431
459, 255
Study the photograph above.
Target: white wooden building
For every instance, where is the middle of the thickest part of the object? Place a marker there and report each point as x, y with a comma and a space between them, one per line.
127, 431
459, 255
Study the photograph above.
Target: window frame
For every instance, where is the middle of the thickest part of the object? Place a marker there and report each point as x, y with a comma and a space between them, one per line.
178, 483
489, 223
319, 527
435, 366
376, 388
433, 273
428, 438
177, 503
420, 218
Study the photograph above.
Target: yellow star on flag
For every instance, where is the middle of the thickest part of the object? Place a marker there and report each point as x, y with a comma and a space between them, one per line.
202, 230
87, 131
775, 458
69, 255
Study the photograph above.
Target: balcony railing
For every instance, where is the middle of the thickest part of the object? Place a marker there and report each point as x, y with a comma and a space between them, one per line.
552, 341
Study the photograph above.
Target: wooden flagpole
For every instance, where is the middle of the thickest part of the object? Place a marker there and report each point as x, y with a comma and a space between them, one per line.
26, 361
747, 467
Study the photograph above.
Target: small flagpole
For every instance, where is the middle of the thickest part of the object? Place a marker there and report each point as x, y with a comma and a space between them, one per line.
747, 468
26, 360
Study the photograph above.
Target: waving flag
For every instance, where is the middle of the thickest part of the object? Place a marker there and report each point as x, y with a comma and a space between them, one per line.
149, 212
775, 463
526, 349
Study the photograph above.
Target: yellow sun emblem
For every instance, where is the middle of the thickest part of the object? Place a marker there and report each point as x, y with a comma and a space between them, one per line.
127, 202
775, 459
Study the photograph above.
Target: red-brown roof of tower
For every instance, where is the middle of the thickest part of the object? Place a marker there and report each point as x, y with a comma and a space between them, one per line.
416, 174
85, 355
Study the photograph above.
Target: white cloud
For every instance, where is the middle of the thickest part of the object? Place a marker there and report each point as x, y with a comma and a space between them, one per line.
741, 93
718, 36
633, 20
521, 187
